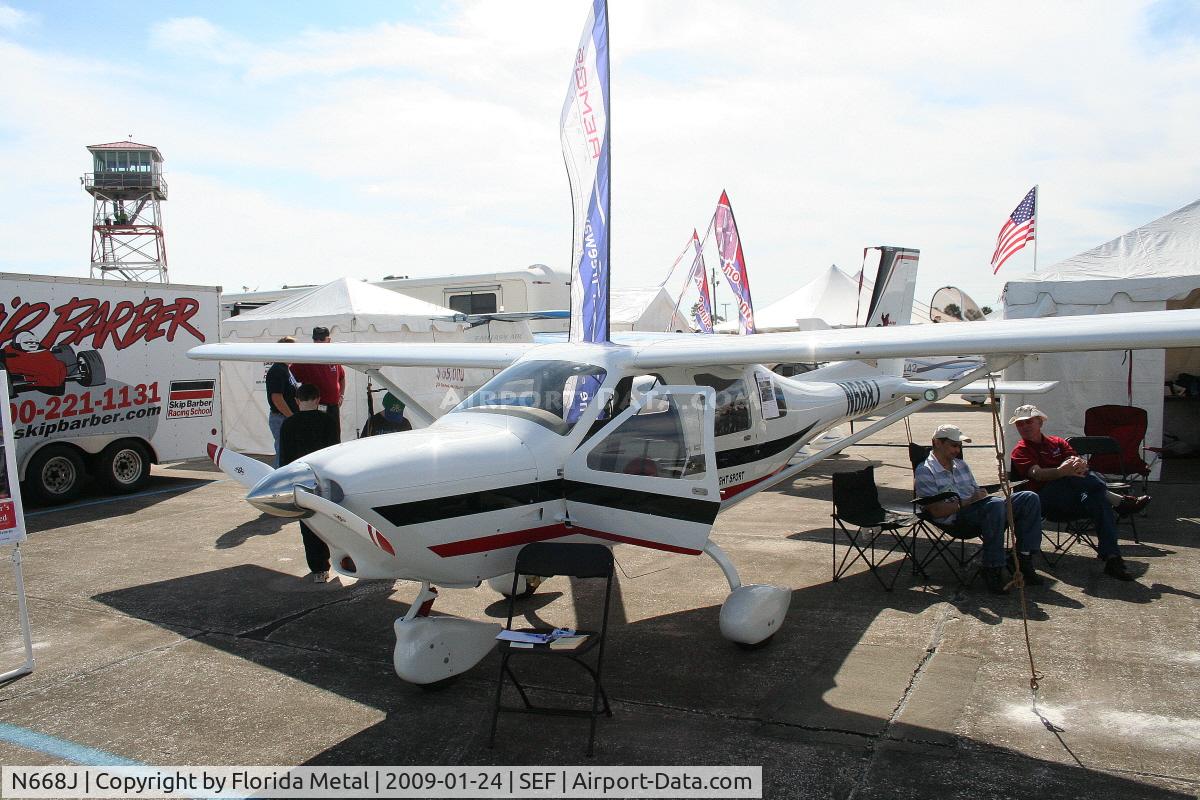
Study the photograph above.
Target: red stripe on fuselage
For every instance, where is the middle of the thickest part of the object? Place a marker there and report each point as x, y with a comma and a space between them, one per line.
499, 541
730, 491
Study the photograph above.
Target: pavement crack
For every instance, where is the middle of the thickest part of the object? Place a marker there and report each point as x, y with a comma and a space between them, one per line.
263, 631
945, 614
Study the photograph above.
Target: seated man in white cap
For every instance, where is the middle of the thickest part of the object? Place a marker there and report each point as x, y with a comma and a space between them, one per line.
945, 471
1067, 488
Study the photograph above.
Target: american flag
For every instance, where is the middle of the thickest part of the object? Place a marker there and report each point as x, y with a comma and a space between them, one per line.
1018, 229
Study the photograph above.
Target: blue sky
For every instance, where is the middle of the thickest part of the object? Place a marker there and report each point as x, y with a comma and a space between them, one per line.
305, 141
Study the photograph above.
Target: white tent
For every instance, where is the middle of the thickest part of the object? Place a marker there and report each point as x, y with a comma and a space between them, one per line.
645, 310
1154, 267
830, 300
353, 311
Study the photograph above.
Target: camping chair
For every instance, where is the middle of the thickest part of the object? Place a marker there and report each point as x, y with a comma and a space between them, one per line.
577, 561
1127, 425
1063, 531
948, 541
1103, 448
856, 503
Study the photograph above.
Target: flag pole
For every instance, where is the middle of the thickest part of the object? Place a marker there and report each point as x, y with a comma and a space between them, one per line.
1037, 224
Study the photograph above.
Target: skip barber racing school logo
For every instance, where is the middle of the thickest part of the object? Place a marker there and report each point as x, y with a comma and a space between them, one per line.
190, 399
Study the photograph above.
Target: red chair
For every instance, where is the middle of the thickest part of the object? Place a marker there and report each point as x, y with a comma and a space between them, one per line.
1127, 425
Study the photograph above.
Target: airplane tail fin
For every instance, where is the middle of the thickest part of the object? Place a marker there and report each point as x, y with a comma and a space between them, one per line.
892, 297
895, 285
243, 469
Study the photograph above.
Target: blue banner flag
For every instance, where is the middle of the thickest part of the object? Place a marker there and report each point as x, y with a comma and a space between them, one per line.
584, 135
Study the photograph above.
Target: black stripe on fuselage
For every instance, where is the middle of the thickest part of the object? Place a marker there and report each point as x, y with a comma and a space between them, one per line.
727, 459
461, 505
688, 509
524, 494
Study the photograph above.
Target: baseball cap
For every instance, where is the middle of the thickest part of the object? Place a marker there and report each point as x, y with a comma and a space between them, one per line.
1025, 412
951, 432
392, 403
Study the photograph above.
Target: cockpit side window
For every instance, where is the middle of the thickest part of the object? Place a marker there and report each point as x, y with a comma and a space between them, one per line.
733, 403
551, 393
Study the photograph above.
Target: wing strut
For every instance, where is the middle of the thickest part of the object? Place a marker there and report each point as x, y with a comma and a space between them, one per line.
932, 396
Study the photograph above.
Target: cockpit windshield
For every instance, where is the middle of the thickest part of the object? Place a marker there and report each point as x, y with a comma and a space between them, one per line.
551, 393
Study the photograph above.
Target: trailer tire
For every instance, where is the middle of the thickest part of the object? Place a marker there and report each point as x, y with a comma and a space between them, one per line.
55, 474
124, 466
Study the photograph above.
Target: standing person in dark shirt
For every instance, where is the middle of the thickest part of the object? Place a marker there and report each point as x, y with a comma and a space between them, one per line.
330, 379
281, 397
307, 431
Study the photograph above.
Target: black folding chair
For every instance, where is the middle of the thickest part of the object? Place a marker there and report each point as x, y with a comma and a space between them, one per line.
948, 542
578, 561
856, 503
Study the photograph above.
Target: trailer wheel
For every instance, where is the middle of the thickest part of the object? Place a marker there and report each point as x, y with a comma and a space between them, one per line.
55, 474
91, 369
124, 466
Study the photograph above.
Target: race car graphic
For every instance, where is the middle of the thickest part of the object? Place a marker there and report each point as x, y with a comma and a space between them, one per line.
32, 367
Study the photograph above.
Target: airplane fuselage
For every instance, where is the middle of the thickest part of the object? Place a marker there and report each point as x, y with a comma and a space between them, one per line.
453, 503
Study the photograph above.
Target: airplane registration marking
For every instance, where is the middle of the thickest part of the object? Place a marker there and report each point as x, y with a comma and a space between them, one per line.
861, 396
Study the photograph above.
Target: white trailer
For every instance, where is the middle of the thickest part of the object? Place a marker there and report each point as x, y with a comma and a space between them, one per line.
99, 382
535, 288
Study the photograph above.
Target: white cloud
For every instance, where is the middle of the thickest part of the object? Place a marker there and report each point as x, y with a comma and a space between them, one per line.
11, 18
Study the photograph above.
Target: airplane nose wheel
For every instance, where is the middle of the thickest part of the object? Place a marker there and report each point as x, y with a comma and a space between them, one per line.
753, 613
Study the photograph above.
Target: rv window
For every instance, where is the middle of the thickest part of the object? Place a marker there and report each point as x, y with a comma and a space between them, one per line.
481, 303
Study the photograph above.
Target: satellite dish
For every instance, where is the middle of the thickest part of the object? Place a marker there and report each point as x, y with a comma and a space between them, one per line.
951, 304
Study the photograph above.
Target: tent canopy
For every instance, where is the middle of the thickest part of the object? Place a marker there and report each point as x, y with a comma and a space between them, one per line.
641, 309
352, 305
829, 300
1154, 267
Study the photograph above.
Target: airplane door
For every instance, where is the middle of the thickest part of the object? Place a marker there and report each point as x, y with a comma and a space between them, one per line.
650, 478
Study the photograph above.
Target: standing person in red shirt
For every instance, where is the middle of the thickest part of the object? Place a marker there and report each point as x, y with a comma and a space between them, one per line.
1067, 487
330, 379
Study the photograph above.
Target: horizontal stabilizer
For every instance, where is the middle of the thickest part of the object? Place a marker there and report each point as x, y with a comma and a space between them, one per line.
917, 388
243, 469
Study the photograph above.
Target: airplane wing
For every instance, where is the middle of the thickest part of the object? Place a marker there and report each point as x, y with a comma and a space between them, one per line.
1137, 331
487, 355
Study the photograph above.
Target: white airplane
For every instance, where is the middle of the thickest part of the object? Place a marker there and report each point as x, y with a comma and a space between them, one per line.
680, 429
642, 441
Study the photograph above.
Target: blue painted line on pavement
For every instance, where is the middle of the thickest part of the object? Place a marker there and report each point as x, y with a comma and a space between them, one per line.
61, 748
104, 500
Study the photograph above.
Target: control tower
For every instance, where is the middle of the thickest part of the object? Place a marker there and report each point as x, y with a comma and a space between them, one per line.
127, 186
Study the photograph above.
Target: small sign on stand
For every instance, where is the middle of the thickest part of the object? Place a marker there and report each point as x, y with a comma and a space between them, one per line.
12, 523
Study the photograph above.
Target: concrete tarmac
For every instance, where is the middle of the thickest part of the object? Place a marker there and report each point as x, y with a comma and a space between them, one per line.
173, 628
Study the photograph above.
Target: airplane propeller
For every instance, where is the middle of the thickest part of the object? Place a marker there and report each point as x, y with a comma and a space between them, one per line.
243, 469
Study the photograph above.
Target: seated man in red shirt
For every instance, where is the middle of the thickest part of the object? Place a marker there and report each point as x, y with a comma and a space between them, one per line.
1067, 488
